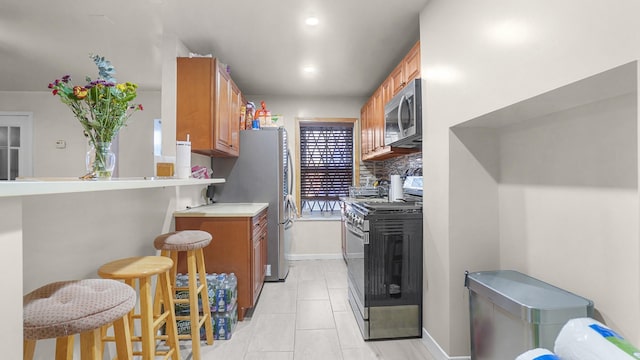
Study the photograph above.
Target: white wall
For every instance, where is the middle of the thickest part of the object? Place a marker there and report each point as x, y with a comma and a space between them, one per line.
470, 69
569, 205
312, 238
52, 120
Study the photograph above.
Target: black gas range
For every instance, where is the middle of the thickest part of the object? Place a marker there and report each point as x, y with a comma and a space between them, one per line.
383, 251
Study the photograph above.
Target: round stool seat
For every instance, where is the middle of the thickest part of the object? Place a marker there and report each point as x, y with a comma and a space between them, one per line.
72, 307
185, 240
135, 267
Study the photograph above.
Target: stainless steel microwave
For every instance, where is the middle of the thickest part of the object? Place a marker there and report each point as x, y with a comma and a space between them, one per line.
403, 117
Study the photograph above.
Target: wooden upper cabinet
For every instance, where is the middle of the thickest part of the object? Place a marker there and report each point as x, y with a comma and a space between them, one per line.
407, 70
206, 107
236, 104
372, 113
411, 63
363, 132
377, 120
397, 79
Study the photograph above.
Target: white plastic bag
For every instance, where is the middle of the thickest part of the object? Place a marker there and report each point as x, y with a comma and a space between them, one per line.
538, 354
588, 339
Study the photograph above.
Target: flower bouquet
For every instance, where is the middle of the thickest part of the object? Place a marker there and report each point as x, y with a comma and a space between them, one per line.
103, 107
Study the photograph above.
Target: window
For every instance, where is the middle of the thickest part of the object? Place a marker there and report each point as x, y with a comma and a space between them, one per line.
326, 160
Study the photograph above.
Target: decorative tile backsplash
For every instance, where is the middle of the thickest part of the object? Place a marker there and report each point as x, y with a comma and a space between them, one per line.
382, 170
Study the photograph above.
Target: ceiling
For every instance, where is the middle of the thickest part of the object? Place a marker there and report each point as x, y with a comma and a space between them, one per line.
265, 42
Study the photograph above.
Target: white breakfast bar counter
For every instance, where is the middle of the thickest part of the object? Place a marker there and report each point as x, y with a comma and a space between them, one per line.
54, 229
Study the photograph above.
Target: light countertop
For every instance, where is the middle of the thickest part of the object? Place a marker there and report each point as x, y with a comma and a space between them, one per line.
40, 186
224, 210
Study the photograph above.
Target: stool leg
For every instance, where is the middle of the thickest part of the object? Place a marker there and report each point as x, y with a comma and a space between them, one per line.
123, 338
64, 348
28, 349
90, 345
146, 319
206, 306
174, 270
172, 329
194, 312
132, 284
157, 299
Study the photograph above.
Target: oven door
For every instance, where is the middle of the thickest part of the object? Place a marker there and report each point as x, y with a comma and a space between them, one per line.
356, 244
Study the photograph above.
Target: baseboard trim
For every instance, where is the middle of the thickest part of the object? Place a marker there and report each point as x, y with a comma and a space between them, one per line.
293, 257
435, 349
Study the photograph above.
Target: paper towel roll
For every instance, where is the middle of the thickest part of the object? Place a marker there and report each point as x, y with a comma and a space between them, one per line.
183, 159
395, 189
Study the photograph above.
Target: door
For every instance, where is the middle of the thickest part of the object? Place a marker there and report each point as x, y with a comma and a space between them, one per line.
15, 145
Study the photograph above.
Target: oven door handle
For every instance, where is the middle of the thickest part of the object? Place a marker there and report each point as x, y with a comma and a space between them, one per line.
359, 234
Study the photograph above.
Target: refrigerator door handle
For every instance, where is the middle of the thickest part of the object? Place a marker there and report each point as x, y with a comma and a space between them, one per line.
291, 174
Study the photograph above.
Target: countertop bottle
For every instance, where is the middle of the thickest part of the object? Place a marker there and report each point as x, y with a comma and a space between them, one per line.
248, 118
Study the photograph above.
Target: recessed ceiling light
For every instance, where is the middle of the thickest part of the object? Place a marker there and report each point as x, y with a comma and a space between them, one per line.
312, 21
309, 69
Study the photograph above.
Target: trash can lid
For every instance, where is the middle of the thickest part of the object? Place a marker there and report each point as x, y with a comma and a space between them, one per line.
532, 300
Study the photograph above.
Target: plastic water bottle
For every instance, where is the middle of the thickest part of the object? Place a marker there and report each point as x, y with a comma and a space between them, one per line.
221, 292
211, 289
182, 280
233, 286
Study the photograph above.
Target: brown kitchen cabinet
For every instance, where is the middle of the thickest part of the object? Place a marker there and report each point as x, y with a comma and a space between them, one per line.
407, 70
207, 107
239, 245
372, 113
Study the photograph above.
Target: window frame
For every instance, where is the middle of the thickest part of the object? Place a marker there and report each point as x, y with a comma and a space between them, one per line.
328, 121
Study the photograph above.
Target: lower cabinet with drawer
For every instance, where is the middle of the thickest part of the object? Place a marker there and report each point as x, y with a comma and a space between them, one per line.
239, 245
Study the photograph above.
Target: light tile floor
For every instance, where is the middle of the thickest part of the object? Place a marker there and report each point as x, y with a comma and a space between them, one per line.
306, 317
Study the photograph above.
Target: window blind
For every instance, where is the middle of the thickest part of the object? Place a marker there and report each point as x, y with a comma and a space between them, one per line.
326, 161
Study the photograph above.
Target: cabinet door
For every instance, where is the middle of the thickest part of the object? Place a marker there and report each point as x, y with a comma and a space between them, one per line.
370, 126
194, 105
256, 257
397, 79
377, 121
235, 119
263, 248
223, 111
229, 251
364, 138
412, 63
259, 253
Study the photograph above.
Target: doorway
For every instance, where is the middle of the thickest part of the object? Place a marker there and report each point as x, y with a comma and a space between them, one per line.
15, 145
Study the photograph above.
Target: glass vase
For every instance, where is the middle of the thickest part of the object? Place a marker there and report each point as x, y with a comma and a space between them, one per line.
101, 160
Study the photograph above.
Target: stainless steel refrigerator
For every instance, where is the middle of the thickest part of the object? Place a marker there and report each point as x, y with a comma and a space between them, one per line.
262, 173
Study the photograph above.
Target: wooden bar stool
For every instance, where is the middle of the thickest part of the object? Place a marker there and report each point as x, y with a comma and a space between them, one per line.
192, 242
62, 309
143, 269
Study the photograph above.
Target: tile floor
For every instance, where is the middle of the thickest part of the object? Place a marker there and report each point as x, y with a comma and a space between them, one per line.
306, 317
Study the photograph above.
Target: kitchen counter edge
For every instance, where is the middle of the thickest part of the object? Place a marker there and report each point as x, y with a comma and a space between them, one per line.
45, 186
224, 210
